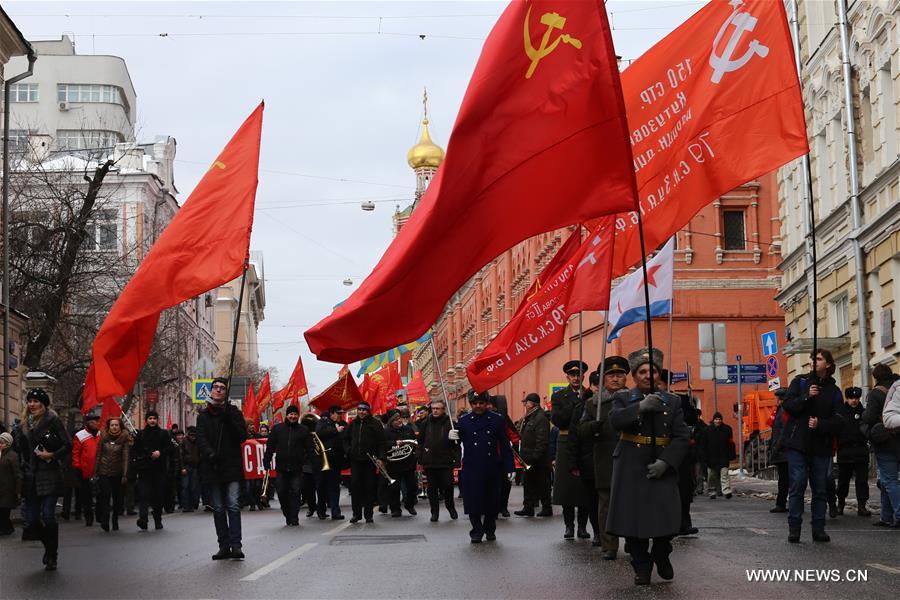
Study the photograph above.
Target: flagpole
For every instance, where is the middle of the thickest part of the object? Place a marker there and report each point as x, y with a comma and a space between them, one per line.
437, 369
649, 329
580, 343
810, 214
237, 324
602, 360
671, 312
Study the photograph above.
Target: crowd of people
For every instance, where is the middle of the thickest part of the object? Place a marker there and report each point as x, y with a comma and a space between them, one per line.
628, 462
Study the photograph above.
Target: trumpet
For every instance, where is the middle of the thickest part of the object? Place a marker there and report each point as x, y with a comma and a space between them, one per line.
519, 458
320, 450
382, 472
265, 486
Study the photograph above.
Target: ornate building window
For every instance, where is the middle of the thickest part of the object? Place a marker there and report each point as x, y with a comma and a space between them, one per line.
734, 230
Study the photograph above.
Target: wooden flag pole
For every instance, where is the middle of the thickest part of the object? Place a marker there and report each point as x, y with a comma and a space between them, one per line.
237, 324
649, 330
602, 360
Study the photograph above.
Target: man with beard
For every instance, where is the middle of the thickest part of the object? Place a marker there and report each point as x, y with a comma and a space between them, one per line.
151, 452
487, 457
567, 488
438, 455
653, 440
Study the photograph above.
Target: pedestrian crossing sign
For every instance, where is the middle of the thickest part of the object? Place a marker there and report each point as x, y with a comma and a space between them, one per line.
201, 389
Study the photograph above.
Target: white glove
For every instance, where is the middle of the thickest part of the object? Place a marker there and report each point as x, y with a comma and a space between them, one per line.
454, 435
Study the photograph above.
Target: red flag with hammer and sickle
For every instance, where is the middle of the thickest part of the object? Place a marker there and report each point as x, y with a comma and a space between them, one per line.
540, 143
713, 105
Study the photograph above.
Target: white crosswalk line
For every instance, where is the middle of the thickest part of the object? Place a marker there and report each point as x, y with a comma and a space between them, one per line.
278, 563
886, 568
338, 529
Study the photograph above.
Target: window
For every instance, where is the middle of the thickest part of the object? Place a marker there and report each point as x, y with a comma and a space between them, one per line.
23, 92
840, 315
83, 92
734, 230
29, 228
18, 139
86, 139
713, 356
103, 232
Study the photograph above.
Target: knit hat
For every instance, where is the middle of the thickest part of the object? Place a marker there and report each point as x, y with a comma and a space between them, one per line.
5, 437
151, 413
291, 409
40, 395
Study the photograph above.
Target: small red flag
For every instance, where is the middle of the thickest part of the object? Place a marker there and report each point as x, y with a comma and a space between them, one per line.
539, 324
204, 246
385, 381
249, 406
263, 395
713, 105
111, 410
416, 392
540, 143
343, 392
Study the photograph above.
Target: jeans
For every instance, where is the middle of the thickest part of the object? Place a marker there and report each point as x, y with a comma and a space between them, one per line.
803, 469
37, 508
329, 492
190, 489
888, 474
288, 485
226, 512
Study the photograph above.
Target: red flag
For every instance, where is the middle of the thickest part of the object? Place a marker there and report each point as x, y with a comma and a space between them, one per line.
713, 105
111, 410
278, 398
204, 246
249, 406
416, 392
539, 324
386, 381
540, 143
263, 395
169, 421
343, 392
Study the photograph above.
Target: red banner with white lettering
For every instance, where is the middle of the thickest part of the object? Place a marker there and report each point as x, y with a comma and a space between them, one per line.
539, 325
713, 105
252, 452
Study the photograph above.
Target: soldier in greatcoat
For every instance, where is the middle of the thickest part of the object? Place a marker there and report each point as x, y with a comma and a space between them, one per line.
568, 490
653, 440
487, 457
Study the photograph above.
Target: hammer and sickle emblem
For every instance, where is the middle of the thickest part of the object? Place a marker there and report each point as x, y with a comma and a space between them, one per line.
724, 63
217, 165
551, 21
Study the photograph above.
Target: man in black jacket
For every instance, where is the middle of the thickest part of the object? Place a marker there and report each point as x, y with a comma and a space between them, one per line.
293, 445
150, 455
330, 429
220, 432
812, 401
401, 463
717, 449
853, 454
438, 455
365, 440
886, 445
534, 444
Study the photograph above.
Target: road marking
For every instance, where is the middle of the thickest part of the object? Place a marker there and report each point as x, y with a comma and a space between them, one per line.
338, 529
278, 563
758, 531
884, 568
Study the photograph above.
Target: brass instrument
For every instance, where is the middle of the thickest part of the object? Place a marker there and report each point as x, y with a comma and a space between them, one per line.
265, 486
382, 472
402, 450
519, 457
321, 451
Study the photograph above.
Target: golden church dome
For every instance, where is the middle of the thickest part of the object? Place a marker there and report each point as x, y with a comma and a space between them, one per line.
426, 153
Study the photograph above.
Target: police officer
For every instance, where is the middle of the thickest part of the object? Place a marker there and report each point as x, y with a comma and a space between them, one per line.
487, 457
653, 441
568, 489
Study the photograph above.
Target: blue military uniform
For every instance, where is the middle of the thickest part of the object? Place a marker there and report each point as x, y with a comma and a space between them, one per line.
487, 458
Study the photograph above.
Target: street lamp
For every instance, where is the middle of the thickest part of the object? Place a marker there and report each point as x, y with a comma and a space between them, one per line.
348, 282
368, 206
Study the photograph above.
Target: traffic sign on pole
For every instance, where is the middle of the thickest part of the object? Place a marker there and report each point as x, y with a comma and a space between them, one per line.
769, 343
772, 367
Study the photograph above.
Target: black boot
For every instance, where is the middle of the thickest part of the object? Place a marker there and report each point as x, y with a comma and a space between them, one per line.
583, 534
223, 553
820, 536
528, 511
452, 510
570, 532
642, 573
115, 522
840, 506
50, 539
794, 534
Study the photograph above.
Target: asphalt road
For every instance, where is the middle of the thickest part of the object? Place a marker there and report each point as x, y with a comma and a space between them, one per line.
413, 558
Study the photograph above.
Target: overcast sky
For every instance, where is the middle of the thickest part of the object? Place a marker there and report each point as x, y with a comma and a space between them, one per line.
343, 85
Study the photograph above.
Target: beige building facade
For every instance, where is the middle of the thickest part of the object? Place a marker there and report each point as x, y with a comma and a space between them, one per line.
875, 91
252, 313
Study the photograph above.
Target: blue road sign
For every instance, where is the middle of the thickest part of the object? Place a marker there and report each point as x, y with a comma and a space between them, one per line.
678, 376
769, 343
746, 369
772, 367
752, 374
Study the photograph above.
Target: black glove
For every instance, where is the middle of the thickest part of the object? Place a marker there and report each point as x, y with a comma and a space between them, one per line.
652, 403
656, 469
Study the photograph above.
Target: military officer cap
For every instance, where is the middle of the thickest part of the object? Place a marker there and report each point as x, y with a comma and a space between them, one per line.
615, 364
574, 367
483, 396
642, 357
